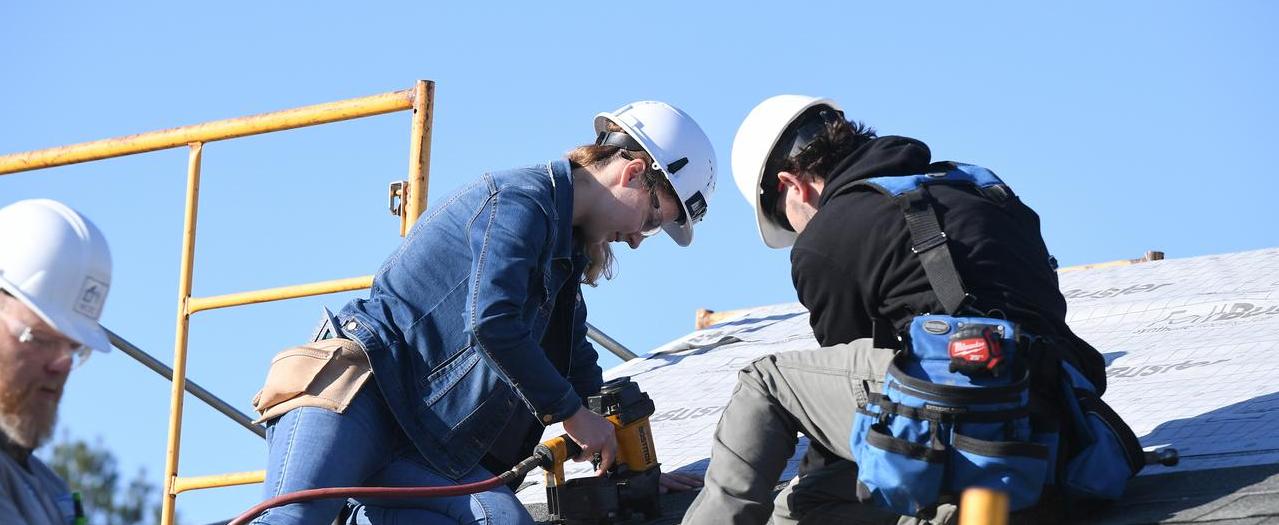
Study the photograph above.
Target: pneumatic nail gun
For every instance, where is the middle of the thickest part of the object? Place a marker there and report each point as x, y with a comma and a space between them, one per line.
630, 486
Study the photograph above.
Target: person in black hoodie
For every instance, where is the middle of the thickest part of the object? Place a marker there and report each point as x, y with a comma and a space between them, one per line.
795, 159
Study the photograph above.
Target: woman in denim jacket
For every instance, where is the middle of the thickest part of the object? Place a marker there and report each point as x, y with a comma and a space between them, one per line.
474, 329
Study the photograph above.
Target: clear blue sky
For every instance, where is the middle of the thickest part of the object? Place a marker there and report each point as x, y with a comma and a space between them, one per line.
1128, 125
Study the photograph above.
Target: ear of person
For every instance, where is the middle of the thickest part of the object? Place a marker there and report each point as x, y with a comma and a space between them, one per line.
634, 172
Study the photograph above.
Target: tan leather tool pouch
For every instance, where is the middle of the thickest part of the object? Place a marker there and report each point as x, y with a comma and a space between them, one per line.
325, 374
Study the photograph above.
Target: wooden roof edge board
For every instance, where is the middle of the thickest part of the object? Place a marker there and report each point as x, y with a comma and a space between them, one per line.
706, 317
1152, 255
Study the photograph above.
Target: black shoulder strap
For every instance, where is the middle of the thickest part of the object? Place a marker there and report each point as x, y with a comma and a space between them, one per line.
928, 241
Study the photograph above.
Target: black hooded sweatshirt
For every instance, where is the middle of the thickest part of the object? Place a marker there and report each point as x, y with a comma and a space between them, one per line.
854, 270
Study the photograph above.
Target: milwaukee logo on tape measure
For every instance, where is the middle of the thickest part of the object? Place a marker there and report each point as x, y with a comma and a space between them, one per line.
970, 349
975, 348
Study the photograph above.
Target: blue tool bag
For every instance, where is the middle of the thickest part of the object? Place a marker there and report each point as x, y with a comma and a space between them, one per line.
937, 429
955, 410
1102, 452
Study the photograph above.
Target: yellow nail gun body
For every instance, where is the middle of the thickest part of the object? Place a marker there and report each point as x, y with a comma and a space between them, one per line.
630, 486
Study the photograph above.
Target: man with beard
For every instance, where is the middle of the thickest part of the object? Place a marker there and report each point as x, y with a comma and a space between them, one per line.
55, 270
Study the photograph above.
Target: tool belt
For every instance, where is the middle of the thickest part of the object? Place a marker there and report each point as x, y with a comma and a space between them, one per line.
325, 374
940, 427
955, 411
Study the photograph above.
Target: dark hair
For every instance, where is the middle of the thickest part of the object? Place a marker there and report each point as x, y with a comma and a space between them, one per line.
811, 146
839, 139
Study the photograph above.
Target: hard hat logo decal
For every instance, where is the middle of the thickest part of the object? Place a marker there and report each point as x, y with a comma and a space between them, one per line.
92, 294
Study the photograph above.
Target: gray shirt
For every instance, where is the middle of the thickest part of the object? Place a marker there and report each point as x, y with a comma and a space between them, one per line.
32, 495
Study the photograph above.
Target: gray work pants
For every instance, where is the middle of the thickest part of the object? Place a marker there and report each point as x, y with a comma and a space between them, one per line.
778, 396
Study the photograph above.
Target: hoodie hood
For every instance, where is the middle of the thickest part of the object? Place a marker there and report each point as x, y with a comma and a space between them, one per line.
881, 157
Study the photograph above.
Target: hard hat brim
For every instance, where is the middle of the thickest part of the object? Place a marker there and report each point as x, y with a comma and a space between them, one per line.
88, 333
774, 236
682, 234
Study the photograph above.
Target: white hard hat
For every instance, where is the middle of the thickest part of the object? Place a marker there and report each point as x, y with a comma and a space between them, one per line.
57, 263
680, 150
752, 147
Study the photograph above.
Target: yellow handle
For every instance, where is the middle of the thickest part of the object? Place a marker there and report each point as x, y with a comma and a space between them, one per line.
981, 506
562, 448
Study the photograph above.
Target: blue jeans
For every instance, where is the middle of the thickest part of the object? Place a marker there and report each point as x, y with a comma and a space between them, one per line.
313, 447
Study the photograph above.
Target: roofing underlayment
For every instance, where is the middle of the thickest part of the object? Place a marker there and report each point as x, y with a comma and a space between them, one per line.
1192, 355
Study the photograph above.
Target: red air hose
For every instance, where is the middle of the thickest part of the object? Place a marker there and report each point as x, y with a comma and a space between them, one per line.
367, 492
391, 492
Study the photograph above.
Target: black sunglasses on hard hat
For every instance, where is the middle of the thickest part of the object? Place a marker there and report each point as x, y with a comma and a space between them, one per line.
621, 140
797, 137
772, 204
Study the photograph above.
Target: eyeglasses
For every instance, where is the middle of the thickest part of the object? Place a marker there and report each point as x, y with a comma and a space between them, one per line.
653, 223
40, 341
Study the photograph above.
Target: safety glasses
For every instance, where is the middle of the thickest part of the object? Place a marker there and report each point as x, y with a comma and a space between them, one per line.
653, 223
44, 342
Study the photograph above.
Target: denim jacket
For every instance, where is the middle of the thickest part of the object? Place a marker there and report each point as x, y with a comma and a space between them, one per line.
456, 322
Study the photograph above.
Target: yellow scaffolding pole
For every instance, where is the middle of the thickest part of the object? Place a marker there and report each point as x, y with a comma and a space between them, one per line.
419, 155
413, 193
181, 485
180, 338
214, 131
197, 304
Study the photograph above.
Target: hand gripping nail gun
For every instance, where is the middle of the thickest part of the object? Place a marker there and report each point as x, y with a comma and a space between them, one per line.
630, 486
